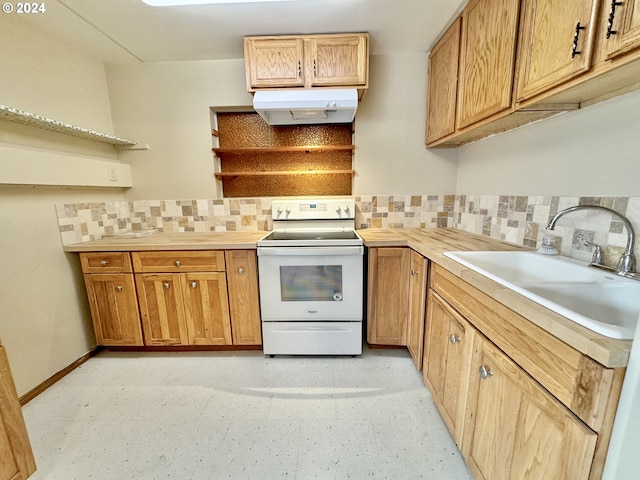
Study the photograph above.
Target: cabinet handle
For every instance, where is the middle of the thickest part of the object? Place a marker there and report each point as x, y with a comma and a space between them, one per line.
612, 16
299, 69
177, 263
194, 284
103, 263
576, 37
165, 285
315, 69
118, 288
454, 338
241, 271
414, 272
485, 373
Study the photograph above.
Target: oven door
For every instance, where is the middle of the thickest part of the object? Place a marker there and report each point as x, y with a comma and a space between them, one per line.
311, 283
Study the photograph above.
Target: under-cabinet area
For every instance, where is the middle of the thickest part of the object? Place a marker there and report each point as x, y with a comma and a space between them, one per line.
164, 298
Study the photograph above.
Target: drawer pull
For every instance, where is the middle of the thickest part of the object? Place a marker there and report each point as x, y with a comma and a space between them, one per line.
241, 271
177, 263
165, 285
194, 284
485, 372
454, 338
103, 263
118, 288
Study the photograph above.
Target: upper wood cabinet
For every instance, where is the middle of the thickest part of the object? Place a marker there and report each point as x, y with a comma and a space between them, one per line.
442, 87
556, 43
569, 55
308, 61
487, 58
623, 27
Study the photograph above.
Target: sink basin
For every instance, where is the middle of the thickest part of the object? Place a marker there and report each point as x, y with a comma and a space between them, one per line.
598, 300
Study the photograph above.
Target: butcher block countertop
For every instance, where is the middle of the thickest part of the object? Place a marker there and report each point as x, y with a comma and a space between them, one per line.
432, 243
172, 241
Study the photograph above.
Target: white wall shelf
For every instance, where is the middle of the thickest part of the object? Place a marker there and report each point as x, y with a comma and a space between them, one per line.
38, 121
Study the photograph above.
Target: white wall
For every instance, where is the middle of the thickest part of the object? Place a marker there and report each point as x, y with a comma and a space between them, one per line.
390, 154
44, 321
167, 106
585, 152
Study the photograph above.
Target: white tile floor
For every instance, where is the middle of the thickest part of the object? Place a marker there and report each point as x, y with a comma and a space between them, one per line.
241, 415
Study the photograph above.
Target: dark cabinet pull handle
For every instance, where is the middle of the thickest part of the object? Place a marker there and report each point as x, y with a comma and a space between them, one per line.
575, 50
612, 16
299, 69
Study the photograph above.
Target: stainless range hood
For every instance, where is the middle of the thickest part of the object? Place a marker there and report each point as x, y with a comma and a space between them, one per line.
305, 107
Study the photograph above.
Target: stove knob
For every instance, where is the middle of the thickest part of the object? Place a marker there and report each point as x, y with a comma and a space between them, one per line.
287, 211
278, 212
339, 211
346, 209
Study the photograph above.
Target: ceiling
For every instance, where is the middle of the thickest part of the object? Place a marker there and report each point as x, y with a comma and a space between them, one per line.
129, 31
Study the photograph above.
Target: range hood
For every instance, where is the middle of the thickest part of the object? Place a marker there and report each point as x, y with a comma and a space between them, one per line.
305, 107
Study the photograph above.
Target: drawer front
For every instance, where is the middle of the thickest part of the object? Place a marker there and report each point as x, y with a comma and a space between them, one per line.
106, 262
179, 261
579, 382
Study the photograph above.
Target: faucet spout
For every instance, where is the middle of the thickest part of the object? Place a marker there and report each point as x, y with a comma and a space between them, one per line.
627, 263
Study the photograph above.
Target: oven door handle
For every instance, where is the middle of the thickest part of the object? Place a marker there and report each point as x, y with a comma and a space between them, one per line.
310, 251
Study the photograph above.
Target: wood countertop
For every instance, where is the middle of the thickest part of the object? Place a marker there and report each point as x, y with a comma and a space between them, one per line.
172, 241
432, 243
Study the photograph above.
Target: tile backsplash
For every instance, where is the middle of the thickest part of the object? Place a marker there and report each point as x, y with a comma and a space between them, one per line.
516, 219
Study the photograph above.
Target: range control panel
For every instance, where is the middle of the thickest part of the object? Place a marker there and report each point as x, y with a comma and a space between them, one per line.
321, 208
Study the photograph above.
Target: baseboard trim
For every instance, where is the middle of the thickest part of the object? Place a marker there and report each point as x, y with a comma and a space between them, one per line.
37, 390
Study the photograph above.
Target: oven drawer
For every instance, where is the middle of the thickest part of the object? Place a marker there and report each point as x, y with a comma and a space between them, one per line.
312, 338
179, 261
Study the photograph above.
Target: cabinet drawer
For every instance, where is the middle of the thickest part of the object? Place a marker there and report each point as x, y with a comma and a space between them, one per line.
579, 382
106, 262
179, 261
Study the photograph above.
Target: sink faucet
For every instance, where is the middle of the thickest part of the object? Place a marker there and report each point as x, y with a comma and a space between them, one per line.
627, 264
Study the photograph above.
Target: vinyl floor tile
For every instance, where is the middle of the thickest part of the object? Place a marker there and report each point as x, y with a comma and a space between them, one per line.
241, 416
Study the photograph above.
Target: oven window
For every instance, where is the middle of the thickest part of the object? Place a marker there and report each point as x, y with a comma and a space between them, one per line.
307, 283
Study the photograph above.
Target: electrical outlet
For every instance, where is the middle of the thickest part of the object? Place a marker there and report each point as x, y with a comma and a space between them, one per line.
113, 173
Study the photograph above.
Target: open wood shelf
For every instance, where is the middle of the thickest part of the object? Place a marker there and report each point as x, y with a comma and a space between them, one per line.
285, 172
44, 123
314, 148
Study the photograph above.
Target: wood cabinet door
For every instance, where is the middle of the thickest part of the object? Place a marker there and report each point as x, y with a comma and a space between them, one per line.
16, 455
487, 58
338, 60
114, 309
388, 295
274, 62
162, 308
244, 305
442, 85
447, 361
206, 308
547, 34
625, 22
417, 298
516, 429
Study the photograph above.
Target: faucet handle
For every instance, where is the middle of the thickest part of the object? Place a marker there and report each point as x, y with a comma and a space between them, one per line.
598, 255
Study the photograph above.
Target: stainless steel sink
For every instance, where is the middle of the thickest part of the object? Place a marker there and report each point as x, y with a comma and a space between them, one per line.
600, 301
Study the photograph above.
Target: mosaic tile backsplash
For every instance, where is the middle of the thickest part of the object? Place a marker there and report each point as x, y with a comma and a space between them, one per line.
515, 219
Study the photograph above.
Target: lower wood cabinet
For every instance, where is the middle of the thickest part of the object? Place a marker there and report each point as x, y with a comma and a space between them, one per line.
516, 429
447, 359
388, 295
174, 298
114, 309
519, 403
16, 455
417, 298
